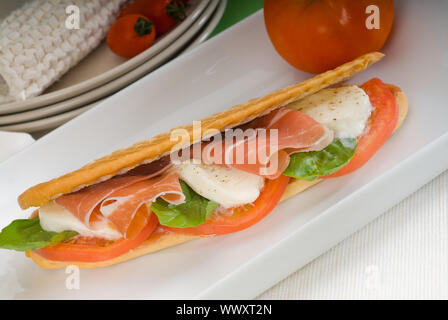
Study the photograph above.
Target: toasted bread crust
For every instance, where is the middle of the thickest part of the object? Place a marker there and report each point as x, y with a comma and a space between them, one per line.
150, 150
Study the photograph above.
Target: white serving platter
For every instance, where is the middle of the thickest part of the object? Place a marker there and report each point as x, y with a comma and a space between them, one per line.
100, 66
233, 67
26, 121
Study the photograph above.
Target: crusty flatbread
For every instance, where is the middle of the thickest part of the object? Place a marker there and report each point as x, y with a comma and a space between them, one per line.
150, 150
161, 241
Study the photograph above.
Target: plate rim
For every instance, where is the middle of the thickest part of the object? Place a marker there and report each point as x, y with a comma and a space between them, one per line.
217, 15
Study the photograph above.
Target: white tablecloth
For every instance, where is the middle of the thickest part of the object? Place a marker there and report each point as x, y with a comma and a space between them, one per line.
401, 255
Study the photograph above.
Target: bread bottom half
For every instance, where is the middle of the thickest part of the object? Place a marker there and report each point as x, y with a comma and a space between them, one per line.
158, 241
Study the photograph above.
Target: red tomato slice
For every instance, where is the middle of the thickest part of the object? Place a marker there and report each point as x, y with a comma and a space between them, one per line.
89, 250
221, 224
381, 124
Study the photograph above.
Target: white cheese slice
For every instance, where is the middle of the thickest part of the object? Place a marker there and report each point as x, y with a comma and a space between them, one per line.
227, 186
345, 110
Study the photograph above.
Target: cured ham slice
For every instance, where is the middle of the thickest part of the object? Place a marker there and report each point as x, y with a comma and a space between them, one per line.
266, 152
118, 200
121, 206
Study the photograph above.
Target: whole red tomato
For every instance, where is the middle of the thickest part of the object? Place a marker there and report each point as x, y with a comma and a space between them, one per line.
318, 35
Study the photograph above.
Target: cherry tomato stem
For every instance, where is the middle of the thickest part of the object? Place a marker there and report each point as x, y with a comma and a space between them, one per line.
131, 35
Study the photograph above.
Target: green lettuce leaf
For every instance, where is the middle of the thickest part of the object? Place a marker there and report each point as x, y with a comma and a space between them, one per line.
314, 164
27, 234
193, 212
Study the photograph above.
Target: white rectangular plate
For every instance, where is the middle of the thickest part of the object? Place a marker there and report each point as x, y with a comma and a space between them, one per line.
233, 67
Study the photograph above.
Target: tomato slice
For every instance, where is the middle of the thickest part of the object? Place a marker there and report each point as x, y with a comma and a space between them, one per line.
85, 250
381, 124
221, 224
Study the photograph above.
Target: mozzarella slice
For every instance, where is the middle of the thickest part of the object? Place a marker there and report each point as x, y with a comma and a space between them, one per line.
345, 110
54, 217
227, 186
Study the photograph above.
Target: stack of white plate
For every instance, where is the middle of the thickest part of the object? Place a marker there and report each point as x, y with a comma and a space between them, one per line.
102, 73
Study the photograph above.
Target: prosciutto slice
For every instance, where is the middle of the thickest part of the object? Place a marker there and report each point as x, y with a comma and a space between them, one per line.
117, 200
266, 153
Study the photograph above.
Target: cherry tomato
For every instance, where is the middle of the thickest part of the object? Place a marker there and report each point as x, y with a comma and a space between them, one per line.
131, 35
222, 224
164, 13
381, 124
318, 35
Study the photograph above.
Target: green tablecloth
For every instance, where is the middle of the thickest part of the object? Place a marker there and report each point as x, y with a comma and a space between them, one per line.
236, 10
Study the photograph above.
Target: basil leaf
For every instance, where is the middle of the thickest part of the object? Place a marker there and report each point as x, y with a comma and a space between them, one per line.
314, 164
27, 234
193, 212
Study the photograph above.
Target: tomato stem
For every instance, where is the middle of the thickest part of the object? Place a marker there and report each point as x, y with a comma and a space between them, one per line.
143, 27
176, 9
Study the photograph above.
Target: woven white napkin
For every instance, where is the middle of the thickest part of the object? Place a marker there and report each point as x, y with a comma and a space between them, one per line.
401, 255
39, 42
